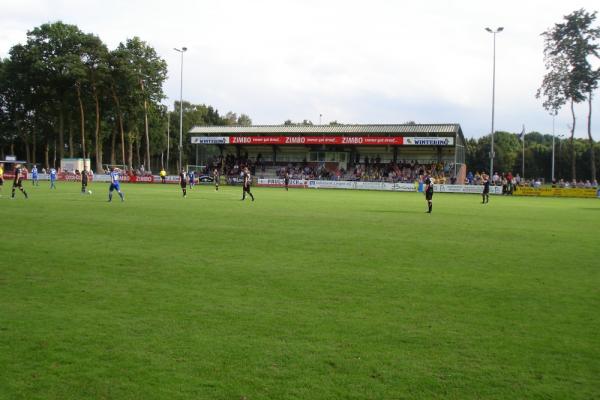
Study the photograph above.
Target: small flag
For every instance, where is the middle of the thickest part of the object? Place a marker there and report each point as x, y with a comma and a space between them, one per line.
522, 134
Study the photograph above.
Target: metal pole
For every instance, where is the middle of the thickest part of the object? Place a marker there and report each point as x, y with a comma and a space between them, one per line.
493, 107
168, 135
553, 116
492, 155
180, 166
523, 159
181, 113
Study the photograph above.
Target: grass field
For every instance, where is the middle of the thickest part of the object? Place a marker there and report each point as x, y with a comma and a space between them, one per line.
306, 294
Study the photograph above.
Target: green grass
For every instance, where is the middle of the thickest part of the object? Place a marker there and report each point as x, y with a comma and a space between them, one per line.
306, 294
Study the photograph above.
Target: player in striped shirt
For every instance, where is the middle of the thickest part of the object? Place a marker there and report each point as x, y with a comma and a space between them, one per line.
115, 185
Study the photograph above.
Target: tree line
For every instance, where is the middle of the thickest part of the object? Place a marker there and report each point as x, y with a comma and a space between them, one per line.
63, 93
508, 148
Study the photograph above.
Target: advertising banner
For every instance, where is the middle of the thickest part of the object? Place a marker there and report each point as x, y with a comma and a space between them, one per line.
478, 189
316, 184
210, 139
429, 141
555, 192
281, 183
301, 140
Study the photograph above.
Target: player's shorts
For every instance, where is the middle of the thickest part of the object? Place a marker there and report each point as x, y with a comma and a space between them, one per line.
83, 185
486, 190
1, 181
114, 186
18, 183
428, 195
183, 185
287, 182
247, 188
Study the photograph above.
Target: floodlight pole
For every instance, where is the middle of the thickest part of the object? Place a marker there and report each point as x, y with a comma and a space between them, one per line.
553, 136
168, 135
182, 50
492, 155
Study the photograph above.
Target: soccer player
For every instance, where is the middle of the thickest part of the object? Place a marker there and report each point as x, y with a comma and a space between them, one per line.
1, 177
34, 176
163, 175
286, 180
84, 181
183, 182
216, 178
18, 182
429, 193
52, 178
192, 178
247, 184
486, 188
115, 185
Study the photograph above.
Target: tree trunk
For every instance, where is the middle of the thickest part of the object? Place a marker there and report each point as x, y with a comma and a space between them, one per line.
130, 152
71, 155
82, 124
33, 147
97, 135
26, 142
61, 133
46, 152
120, 117
113, 143
137, 150
589, 126
146, 128
572, 141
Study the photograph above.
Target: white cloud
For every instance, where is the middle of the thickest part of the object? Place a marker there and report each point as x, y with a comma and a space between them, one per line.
354, 61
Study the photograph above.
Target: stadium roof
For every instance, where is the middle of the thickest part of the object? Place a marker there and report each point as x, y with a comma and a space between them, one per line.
389, 129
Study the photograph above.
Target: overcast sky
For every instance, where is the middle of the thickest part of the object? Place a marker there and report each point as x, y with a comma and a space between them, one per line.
375, 61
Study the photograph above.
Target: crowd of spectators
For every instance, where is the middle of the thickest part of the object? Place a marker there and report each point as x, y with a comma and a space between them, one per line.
403, 171
508, 181
587, 184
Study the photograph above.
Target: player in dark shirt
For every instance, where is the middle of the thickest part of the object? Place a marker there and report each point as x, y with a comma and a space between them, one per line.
429, 194
183, 182
18, 182
286, 180
84, 181
216, 178
247, 184
486, 189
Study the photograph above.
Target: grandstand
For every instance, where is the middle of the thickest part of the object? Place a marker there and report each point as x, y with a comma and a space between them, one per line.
393, 152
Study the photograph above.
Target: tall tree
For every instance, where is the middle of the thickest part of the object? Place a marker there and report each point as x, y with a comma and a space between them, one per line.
94, 56
567, 48
151, 73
